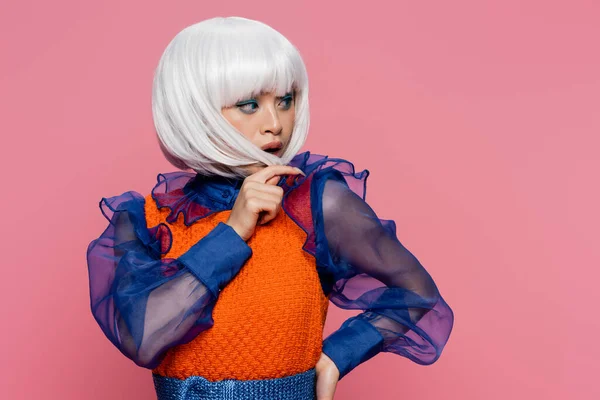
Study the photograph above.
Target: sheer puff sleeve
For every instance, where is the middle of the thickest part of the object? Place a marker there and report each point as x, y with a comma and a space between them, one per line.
403, 311
144, 302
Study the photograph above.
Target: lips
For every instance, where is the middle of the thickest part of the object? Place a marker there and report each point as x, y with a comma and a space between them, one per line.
273, 146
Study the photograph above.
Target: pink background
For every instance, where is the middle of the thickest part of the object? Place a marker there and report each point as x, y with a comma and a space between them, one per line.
479, 119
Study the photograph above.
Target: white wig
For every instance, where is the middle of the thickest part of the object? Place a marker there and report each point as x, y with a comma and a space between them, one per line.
213, 64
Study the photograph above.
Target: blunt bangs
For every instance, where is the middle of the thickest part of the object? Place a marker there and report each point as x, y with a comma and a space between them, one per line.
250, 63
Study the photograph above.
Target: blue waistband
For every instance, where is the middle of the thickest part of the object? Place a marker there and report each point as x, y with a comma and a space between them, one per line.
295, 387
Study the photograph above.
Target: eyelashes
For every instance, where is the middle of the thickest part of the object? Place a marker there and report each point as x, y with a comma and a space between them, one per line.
249, 106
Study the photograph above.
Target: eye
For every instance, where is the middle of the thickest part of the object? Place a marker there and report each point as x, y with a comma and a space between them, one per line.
245, 106
287, 101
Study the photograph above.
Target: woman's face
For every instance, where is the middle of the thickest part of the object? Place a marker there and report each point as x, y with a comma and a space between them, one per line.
264, 119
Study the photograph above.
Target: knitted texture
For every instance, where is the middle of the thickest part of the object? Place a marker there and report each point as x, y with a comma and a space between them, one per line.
268, 321
296, 387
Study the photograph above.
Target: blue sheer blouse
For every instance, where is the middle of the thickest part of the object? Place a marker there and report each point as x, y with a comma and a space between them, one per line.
146, 303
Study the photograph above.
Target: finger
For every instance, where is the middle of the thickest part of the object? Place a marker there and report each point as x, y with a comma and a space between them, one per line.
262, 187
325, 387
263, 192
267, 173
259, 205
266, 217
274, 180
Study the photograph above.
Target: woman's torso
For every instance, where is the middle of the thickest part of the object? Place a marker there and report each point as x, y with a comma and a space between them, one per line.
268, 321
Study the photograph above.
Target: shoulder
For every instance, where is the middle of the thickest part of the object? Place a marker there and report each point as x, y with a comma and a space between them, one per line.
329, 182
313, 163
321, 169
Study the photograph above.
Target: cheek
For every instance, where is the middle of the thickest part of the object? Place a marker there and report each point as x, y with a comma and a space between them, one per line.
240, 123
289, 120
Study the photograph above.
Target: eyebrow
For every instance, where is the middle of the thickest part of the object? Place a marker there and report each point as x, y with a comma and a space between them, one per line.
291, 92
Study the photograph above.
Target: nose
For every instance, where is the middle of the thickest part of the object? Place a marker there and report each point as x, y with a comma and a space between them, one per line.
271, 122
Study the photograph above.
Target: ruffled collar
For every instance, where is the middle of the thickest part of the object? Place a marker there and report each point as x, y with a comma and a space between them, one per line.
197, 196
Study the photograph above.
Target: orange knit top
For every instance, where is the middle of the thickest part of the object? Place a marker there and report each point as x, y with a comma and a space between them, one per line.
258, 312
268, 321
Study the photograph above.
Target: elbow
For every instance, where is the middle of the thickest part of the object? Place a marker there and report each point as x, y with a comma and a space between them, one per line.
143, 358
437, 353
151, 353
441, 328
435, 326
149, 361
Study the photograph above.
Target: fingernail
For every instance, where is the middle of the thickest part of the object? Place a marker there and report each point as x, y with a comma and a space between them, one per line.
299, 170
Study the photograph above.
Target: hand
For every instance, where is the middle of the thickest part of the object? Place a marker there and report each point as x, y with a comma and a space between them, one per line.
259, 199
327, 378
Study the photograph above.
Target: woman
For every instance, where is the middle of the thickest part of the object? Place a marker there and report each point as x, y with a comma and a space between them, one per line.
219, 280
